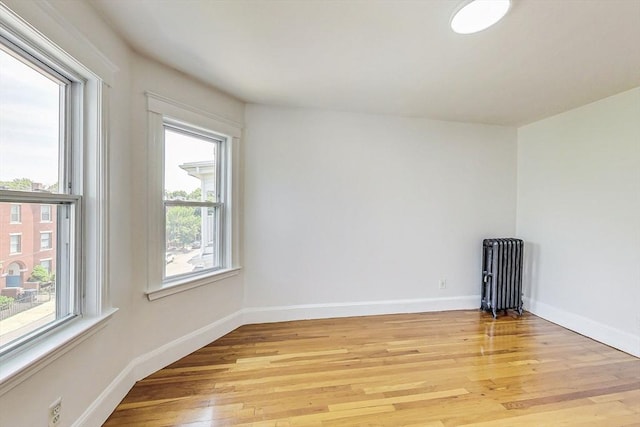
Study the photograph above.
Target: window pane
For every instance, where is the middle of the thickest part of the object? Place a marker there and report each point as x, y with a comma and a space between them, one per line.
30, 297
189, 172
46, 240
46, 264
29, 127
192, 240
15, 213
15, 243
45, 213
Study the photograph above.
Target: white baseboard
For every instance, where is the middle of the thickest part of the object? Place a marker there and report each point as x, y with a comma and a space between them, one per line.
152, 361
362, 308
613, 337
98, 412
168, 353
174, 350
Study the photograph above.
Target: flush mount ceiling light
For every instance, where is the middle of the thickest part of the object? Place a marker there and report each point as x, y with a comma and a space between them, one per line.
476, 15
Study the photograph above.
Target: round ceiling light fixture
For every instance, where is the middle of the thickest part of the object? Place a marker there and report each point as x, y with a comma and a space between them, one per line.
477, 15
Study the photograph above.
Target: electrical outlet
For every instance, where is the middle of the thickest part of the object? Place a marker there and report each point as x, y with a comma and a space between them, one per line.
55, 411
442, 284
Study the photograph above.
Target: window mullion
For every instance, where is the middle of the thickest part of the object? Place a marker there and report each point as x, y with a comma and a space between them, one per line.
63, 280
36, 197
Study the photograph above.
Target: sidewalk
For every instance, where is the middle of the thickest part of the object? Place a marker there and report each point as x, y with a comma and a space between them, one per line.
26, 321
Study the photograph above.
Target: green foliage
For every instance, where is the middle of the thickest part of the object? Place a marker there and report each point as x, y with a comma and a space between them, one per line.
25, 184
40, 274
176, 195
183, 225
5, 302
195, 194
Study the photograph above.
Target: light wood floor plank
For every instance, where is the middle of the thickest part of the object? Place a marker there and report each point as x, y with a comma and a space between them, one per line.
430, 369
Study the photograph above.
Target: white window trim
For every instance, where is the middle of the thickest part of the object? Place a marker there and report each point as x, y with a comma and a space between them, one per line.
24, 364
48, 248
45, 221
17, 366
10, 245
160, 109
19, 221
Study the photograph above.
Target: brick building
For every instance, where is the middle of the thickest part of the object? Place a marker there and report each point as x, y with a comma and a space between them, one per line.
27, 239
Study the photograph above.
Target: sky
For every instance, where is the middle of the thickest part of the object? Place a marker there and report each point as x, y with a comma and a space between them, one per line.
29, 131
180, 149
29, 123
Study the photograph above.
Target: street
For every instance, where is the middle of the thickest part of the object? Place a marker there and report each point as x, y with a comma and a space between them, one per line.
180, 263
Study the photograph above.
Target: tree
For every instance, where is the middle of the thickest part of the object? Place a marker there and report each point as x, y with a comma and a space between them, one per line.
40, 274
195, 194
23, 184
5, 302
26, 184
176, 195
183, 225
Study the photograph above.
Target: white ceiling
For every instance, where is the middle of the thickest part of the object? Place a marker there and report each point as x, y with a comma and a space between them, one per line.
394, 57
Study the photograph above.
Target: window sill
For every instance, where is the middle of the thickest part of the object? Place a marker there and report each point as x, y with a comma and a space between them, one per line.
16, 368
191, 283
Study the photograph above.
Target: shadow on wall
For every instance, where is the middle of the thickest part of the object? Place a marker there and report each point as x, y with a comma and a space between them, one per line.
530, 270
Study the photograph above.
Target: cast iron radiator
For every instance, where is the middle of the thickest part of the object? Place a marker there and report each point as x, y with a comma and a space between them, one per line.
502, 275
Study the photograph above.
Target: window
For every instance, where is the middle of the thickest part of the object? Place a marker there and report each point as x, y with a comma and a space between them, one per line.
192, 240
15, 244
52, 159
45, 213
193, 200
46, 264
16, 214
45, 240
39, 170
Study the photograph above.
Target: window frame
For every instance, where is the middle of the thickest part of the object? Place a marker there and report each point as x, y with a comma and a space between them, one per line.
162, 110
69, 288
219, 204
42, 220
18, 245
90, 177
49, 240
49, 261
19, 214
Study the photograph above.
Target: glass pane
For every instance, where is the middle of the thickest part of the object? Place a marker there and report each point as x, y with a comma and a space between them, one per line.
29, 266
189, 167
192, 240
29, 127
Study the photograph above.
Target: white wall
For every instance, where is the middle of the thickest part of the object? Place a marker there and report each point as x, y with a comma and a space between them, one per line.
346, 208
164, 320
579, 211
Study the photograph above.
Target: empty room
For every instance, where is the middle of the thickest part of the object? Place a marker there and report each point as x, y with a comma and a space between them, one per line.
319, 213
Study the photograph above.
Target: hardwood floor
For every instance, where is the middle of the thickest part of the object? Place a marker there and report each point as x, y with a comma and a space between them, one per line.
432, 369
